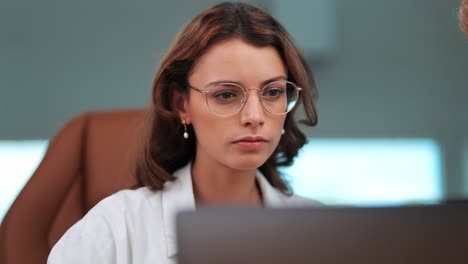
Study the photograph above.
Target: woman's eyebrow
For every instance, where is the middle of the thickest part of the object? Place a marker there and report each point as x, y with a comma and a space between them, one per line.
277, 78
221, 81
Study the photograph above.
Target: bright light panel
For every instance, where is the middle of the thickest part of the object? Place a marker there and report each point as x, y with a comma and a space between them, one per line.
18, 160
368, 172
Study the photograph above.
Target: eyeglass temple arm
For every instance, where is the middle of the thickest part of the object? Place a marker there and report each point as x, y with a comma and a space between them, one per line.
198, 90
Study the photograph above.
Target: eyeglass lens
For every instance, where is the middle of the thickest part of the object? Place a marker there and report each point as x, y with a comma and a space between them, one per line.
226, 99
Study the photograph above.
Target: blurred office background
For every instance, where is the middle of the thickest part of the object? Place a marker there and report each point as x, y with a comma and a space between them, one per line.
392, 78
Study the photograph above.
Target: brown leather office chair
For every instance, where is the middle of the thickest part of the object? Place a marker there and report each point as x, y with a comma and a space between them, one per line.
90, 158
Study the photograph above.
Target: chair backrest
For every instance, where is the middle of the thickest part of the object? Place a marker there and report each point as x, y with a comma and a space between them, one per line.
90, 158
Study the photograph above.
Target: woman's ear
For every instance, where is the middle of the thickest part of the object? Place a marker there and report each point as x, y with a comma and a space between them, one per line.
179, 103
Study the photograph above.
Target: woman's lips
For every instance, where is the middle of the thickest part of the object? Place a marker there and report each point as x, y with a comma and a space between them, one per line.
251, 143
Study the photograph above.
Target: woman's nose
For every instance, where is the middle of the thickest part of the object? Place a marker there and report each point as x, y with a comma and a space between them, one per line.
253, 114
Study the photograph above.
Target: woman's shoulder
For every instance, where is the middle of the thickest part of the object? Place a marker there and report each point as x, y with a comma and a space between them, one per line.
126, 206
124, 200
110, 224
119, 208
142, 195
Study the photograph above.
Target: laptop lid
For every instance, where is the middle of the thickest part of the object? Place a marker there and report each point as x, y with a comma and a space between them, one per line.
416, 234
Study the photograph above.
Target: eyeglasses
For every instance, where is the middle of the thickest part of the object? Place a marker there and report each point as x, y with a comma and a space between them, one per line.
226, 99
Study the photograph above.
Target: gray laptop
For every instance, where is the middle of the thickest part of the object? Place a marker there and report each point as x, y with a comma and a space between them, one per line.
417, 235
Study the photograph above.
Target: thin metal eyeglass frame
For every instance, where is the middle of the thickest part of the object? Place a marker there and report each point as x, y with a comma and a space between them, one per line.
205, 92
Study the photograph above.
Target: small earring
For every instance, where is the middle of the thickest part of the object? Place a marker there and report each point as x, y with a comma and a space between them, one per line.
282, 131
185, 129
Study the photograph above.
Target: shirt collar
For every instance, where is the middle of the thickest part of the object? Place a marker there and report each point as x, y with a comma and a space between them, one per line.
178, 195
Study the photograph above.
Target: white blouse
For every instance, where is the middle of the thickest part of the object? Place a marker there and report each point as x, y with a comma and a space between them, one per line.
138, 226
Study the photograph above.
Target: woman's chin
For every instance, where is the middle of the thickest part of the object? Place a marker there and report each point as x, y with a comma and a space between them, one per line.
247, 163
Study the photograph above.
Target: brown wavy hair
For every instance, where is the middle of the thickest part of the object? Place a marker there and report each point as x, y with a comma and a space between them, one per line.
464, 16
164, 149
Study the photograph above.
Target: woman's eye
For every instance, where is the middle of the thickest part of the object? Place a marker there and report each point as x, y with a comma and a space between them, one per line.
225, 95
273, 93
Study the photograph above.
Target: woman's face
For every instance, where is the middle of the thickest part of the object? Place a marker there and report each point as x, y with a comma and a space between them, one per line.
245, 140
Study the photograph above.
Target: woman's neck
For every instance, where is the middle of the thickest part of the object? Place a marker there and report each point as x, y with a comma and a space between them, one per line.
215, 184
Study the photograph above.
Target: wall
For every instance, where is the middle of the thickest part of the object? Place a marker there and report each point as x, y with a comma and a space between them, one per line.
398, 70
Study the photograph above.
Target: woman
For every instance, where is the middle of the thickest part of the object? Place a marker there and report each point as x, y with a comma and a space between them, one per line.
222, 122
